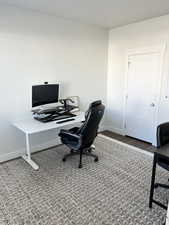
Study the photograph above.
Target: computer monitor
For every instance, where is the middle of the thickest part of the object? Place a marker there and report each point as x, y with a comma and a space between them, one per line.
44, 94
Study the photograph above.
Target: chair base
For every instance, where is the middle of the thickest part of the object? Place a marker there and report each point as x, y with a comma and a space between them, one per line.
156, 185
87, 152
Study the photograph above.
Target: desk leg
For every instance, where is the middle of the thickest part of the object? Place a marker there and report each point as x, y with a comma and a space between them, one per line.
27, 157
152, 181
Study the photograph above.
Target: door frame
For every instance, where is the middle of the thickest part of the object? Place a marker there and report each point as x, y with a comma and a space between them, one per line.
160, 49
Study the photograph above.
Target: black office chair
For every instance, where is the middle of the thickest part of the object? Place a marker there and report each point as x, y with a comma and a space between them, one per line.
80, 140
162, 139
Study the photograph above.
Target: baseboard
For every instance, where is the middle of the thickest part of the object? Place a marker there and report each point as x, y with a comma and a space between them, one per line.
102, 128
35, 148
114, 129
127, 145
10, 156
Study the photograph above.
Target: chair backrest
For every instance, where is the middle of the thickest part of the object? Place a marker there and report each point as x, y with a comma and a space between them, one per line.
90, 127
162, 134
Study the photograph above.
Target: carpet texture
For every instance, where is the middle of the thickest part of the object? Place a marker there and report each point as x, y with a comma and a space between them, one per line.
114, 191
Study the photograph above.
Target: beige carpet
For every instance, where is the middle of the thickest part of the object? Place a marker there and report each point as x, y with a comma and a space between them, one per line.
114, 191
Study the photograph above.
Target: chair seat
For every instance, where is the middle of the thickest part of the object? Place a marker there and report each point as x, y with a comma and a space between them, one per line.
70, 143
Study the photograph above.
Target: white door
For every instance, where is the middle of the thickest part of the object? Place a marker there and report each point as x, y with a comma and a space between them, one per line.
142, 95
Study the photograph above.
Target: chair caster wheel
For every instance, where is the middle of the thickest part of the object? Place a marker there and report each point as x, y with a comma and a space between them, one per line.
96, 159
156, 185
64, 160
89, 150
80, 166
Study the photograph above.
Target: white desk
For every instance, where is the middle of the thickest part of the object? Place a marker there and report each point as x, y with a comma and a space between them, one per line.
31, 126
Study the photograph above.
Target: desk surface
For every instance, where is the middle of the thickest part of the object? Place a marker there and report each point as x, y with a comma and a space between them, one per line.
30, 126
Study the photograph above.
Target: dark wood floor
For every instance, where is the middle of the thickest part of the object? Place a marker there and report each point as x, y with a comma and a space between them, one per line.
129, 140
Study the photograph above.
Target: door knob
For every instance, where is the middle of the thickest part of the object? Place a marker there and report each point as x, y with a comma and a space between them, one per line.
152, 104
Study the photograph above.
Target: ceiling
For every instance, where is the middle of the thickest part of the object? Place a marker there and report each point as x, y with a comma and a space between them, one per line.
105, 13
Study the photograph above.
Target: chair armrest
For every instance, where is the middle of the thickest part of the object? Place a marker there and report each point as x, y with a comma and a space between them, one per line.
66, 133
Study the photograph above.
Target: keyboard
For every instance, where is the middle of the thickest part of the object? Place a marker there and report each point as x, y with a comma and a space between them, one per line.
64, 121
54, 117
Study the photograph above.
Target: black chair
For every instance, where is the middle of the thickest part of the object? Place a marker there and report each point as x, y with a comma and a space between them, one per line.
80, 140
162, 139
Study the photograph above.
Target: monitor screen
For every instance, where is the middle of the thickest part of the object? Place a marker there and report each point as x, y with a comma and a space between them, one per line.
45, 94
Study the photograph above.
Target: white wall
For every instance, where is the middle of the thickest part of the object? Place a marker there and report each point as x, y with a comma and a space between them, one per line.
144, 34
35, 48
